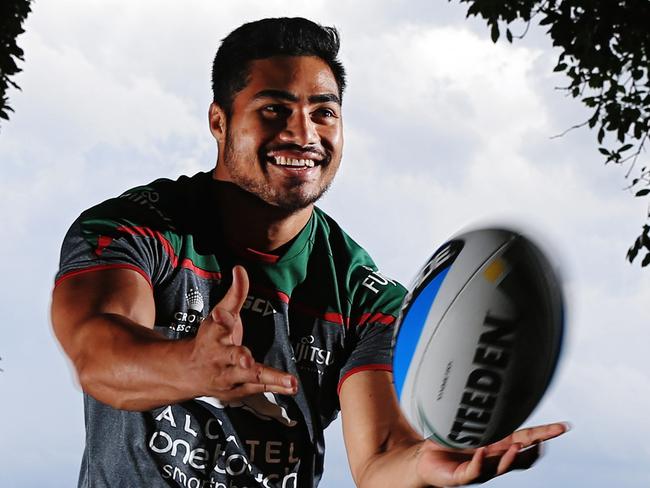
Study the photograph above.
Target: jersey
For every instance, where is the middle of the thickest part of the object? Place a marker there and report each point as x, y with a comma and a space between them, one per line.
320, 311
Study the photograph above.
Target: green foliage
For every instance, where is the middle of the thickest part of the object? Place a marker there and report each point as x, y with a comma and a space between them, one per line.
12, 15
605, 49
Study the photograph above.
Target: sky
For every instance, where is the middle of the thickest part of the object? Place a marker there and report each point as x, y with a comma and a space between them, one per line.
444, 130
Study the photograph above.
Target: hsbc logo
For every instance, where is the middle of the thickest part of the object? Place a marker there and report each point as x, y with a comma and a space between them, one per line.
259, 305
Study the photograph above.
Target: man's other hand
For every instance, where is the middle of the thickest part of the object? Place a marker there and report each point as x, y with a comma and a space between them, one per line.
221, 364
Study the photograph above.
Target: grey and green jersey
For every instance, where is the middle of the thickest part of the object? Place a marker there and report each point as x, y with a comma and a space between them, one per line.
320, 311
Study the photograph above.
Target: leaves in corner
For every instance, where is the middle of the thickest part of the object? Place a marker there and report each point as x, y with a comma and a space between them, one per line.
646, 260
494, 33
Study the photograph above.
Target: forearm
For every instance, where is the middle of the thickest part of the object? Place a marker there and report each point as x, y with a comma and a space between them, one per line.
132, 367
105, 320
394, 467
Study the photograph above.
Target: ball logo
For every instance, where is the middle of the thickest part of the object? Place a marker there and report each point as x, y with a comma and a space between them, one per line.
484, 382
442, 259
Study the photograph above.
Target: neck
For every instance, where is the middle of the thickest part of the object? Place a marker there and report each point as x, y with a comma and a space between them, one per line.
249, 222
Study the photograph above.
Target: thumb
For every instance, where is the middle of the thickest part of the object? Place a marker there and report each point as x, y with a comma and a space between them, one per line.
236, 295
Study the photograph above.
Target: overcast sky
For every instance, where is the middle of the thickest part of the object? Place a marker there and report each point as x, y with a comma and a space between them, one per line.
443, 130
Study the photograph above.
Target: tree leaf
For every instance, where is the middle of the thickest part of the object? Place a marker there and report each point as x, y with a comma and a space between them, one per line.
509, 36
642, 193
646, 260
494, 34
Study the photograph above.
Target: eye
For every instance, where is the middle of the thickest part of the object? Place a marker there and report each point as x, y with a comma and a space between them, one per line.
326, 112
274, 111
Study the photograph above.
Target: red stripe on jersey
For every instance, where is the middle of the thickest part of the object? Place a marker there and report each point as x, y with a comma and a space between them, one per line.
269, 293
259, 256
210, 275
366, 367
100, 267
380, 318
282, 296
337, 318
334, 317
147, 232
102, 243
186, 263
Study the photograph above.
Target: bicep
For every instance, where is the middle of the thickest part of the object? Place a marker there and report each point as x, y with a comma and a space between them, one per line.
78, 299
372, 420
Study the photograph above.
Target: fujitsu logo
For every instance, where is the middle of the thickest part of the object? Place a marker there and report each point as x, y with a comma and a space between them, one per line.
306, 351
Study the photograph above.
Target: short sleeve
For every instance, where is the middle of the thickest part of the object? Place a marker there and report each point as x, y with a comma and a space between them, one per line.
377, 301
116, 234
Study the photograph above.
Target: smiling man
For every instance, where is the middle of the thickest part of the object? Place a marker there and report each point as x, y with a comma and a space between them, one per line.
218, 323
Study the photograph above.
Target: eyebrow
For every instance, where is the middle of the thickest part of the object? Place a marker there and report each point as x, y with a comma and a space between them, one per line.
290, 97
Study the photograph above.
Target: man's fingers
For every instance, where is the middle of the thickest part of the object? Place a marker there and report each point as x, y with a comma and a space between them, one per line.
236, 295
526, 457
505, 463
240, 356
529, 436
248, 389
473, 469
270, 379
226, 313
534, 435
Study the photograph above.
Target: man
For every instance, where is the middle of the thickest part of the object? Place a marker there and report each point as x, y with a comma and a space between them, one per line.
219, 322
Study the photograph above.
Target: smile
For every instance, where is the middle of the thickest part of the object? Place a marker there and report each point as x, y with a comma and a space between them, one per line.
293, 162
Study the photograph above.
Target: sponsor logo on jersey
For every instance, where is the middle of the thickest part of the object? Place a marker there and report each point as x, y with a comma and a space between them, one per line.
187, 321
259, 305
375, 280
264, 406
147, 197
197, 452
308, 355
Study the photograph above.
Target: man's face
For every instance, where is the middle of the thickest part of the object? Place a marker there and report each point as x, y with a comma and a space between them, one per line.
284, 139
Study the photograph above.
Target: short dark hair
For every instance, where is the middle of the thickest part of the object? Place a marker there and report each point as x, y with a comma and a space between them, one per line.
266, 38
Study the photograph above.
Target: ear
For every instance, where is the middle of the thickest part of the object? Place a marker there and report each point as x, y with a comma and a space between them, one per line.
217, 121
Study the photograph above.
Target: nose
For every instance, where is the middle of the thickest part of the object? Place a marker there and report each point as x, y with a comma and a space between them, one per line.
299, 129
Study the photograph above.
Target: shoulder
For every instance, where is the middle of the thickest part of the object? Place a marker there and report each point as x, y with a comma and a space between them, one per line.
160, 204
364, 281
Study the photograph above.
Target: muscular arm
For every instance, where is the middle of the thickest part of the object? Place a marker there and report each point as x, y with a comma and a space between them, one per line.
384, 451
104, 322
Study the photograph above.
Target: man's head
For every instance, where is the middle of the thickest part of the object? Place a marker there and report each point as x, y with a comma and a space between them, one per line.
277, 110
267, 38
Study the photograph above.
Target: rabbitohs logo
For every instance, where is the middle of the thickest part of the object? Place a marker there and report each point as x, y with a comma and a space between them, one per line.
189, 321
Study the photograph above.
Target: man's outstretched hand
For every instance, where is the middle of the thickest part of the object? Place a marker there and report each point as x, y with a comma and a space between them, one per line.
225, 368
439, 466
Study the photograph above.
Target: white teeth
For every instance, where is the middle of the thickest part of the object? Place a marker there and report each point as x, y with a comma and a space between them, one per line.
283, 161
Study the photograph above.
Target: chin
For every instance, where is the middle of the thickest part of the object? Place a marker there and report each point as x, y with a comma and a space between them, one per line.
296, 202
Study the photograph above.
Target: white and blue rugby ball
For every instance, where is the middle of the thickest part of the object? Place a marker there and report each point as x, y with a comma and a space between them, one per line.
478, 338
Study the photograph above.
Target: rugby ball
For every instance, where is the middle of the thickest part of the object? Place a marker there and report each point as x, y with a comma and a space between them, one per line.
478, 338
